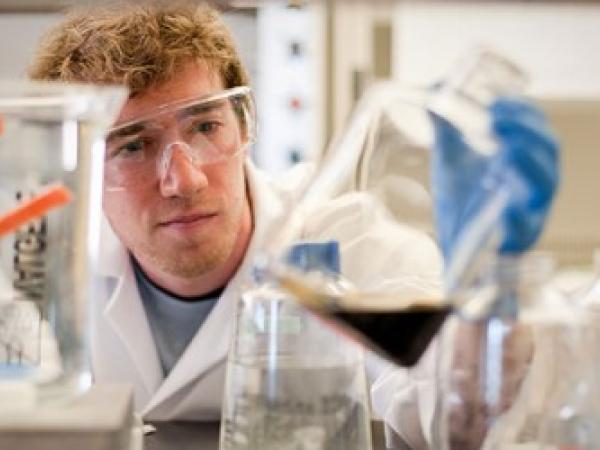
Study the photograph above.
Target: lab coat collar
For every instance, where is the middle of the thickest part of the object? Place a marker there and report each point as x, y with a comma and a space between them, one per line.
126, 315
124, 310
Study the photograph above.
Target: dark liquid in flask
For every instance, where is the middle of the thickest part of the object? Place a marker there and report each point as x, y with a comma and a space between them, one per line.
394, 326
401, 336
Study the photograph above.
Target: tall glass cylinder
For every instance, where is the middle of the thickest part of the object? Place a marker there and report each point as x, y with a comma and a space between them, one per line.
51, 160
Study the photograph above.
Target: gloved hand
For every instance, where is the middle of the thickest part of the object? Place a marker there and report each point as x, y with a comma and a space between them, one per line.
464, 180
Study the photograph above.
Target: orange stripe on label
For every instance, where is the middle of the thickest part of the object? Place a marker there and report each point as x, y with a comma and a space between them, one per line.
51, 197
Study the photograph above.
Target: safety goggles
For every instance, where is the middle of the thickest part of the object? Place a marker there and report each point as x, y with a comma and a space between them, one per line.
205, 130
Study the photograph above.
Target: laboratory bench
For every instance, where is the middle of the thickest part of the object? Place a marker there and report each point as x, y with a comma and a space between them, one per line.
101, 419
205, 436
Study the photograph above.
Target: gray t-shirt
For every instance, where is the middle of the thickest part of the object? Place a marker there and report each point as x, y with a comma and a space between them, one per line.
173, 320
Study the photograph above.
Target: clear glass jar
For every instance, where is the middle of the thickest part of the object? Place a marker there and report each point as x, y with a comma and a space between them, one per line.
291, 382
50, 142
522, 377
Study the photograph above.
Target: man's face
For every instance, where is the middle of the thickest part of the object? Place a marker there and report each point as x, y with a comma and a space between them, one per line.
185, 220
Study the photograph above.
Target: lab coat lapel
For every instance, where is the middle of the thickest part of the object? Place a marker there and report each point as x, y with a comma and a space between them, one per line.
207, 349
210, 345
126, 315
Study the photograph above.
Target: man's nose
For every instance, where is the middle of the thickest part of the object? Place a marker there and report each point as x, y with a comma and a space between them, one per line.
180, 175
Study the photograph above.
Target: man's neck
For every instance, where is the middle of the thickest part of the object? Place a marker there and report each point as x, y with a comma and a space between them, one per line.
142, 277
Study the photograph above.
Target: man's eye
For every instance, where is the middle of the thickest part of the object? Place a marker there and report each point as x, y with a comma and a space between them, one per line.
206, 127
129, 149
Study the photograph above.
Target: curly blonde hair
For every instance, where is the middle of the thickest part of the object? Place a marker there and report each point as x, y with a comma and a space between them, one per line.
137, 45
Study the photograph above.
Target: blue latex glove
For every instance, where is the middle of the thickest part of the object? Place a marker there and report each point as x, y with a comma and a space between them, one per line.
464, 180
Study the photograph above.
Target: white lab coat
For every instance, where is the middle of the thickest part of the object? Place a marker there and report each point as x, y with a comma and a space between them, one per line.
121, 340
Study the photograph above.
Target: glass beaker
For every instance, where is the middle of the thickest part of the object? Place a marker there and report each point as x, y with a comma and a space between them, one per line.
50, 141
292, 384
505, 380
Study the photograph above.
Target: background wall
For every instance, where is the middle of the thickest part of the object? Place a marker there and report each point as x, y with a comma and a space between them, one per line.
556, 43
19, 35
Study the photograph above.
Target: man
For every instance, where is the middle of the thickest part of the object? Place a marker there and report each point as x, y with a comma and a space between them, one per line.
182, 234
187, 209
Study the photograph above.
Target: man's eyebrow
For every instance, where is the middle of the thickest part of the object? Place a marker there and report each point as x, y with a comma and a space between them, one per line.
127, 130
202, 108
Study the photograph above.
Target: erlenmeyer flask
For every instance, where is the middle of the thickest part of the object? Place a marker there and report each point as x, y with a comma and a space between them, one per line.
50, 141
372, 195
292, 383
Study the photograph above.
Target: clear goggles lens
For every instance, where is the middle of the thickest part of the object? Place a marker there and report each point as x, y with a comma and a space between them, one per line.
205, 130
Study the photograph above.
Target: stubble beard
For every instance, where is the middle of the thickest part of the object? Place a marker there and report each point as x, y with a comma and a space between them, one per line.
188, 260
198, 258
